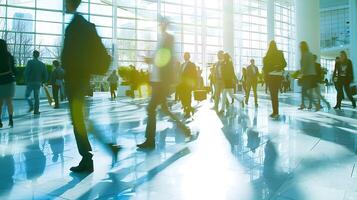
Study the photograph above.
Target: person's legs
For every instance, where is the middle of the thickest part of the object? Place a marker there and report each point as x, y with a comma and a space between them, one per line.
274, 87
339, 88
249, 86
76, 105
217, 95
346, 86
10, 110
55, 91
36, 92
254, 85
151, 110
224, 99
28, 92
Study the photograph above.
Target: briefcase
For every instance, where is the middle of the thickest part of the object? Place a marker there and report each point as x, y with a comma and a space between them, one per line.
200, 95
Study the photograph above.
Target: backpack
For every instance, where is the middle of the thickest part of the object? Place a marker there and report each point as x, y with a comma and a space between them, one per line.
98, 56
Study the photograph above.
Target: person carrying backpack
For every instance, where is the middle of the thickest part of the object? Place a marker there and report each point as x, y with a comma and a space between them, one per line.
83, 55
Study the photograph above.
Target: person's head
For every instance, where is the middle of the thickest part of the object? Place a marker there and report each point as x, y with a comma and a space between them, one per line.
36, 54
220, 55
56, 63
163, 24
315, 57
227, 57
252, 61
114, 71
186, 56
304, 47
343, 56
72, 5
272, 46
3, 47
337, 59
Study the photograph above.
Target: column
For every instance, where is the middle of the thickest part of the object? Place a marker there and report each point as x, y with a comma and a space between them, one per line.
115, 35
353, 35
270, 20
228, 26
307, 26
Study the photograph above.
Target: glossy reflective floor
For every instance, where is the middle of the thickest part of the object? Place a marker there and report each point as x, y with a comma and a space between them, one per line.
241, 155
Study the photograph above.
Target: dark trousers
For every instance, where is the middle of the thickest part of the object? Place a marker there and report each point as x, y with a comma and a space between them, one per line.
252, 84
113, 88
36, 91
158, 97
55, 92
186, 97
343, 83
77, 105
274, 83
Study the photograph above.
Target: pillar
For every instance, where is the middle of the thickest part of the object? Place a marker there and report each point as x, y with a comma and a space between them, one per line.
307, 26
270, 20
353, 35
228, 26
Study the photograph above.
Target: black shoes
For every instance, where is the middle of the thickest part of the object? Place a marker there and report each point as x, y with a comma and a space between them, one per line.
147, 145
30, 109
11, 123
37, 113
353, 104
85, 166
337, 107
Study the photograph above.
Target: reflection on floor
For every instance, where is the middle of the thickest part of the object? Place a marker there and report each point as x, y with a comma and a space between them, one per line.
239, 155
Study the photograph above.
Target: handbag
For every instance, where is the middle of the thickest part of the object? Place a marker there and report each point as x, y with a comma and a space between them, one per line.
354, 90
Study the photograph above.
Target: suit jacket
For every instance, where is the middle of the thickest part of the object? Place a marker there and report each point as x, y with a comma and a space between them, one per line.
189, 74
75, 51
252, 73
35, 72
228, 74
349, 72
163, 67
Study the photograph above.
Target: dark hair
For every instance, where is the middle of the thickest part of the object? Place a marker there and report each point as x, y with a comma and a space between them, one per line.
304, 47
76, 3
3, 49
36, 54
272, 47
344, 53
56, 63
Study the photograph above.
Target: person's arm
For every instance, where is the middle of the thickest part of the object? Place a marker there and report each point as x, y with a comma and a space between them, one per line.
44, 74
284, 63
350, 65
27, 71
12, 65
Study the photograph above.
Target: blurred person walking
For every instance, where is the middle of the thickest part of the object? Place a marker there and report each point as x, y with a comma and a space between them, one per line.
7, 81
307, 76
252, 81
57, 81
273, 67
35, 75
343, 77
83, 55
113, 84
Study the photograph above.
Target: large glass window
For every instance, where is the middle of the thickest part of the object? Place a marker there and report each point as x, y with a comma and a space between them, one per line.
250, 32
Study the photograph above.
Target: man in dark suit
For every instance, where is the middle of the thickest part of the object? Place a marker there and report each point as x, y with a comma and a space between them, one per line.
252, 81
77, 78
188, 83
